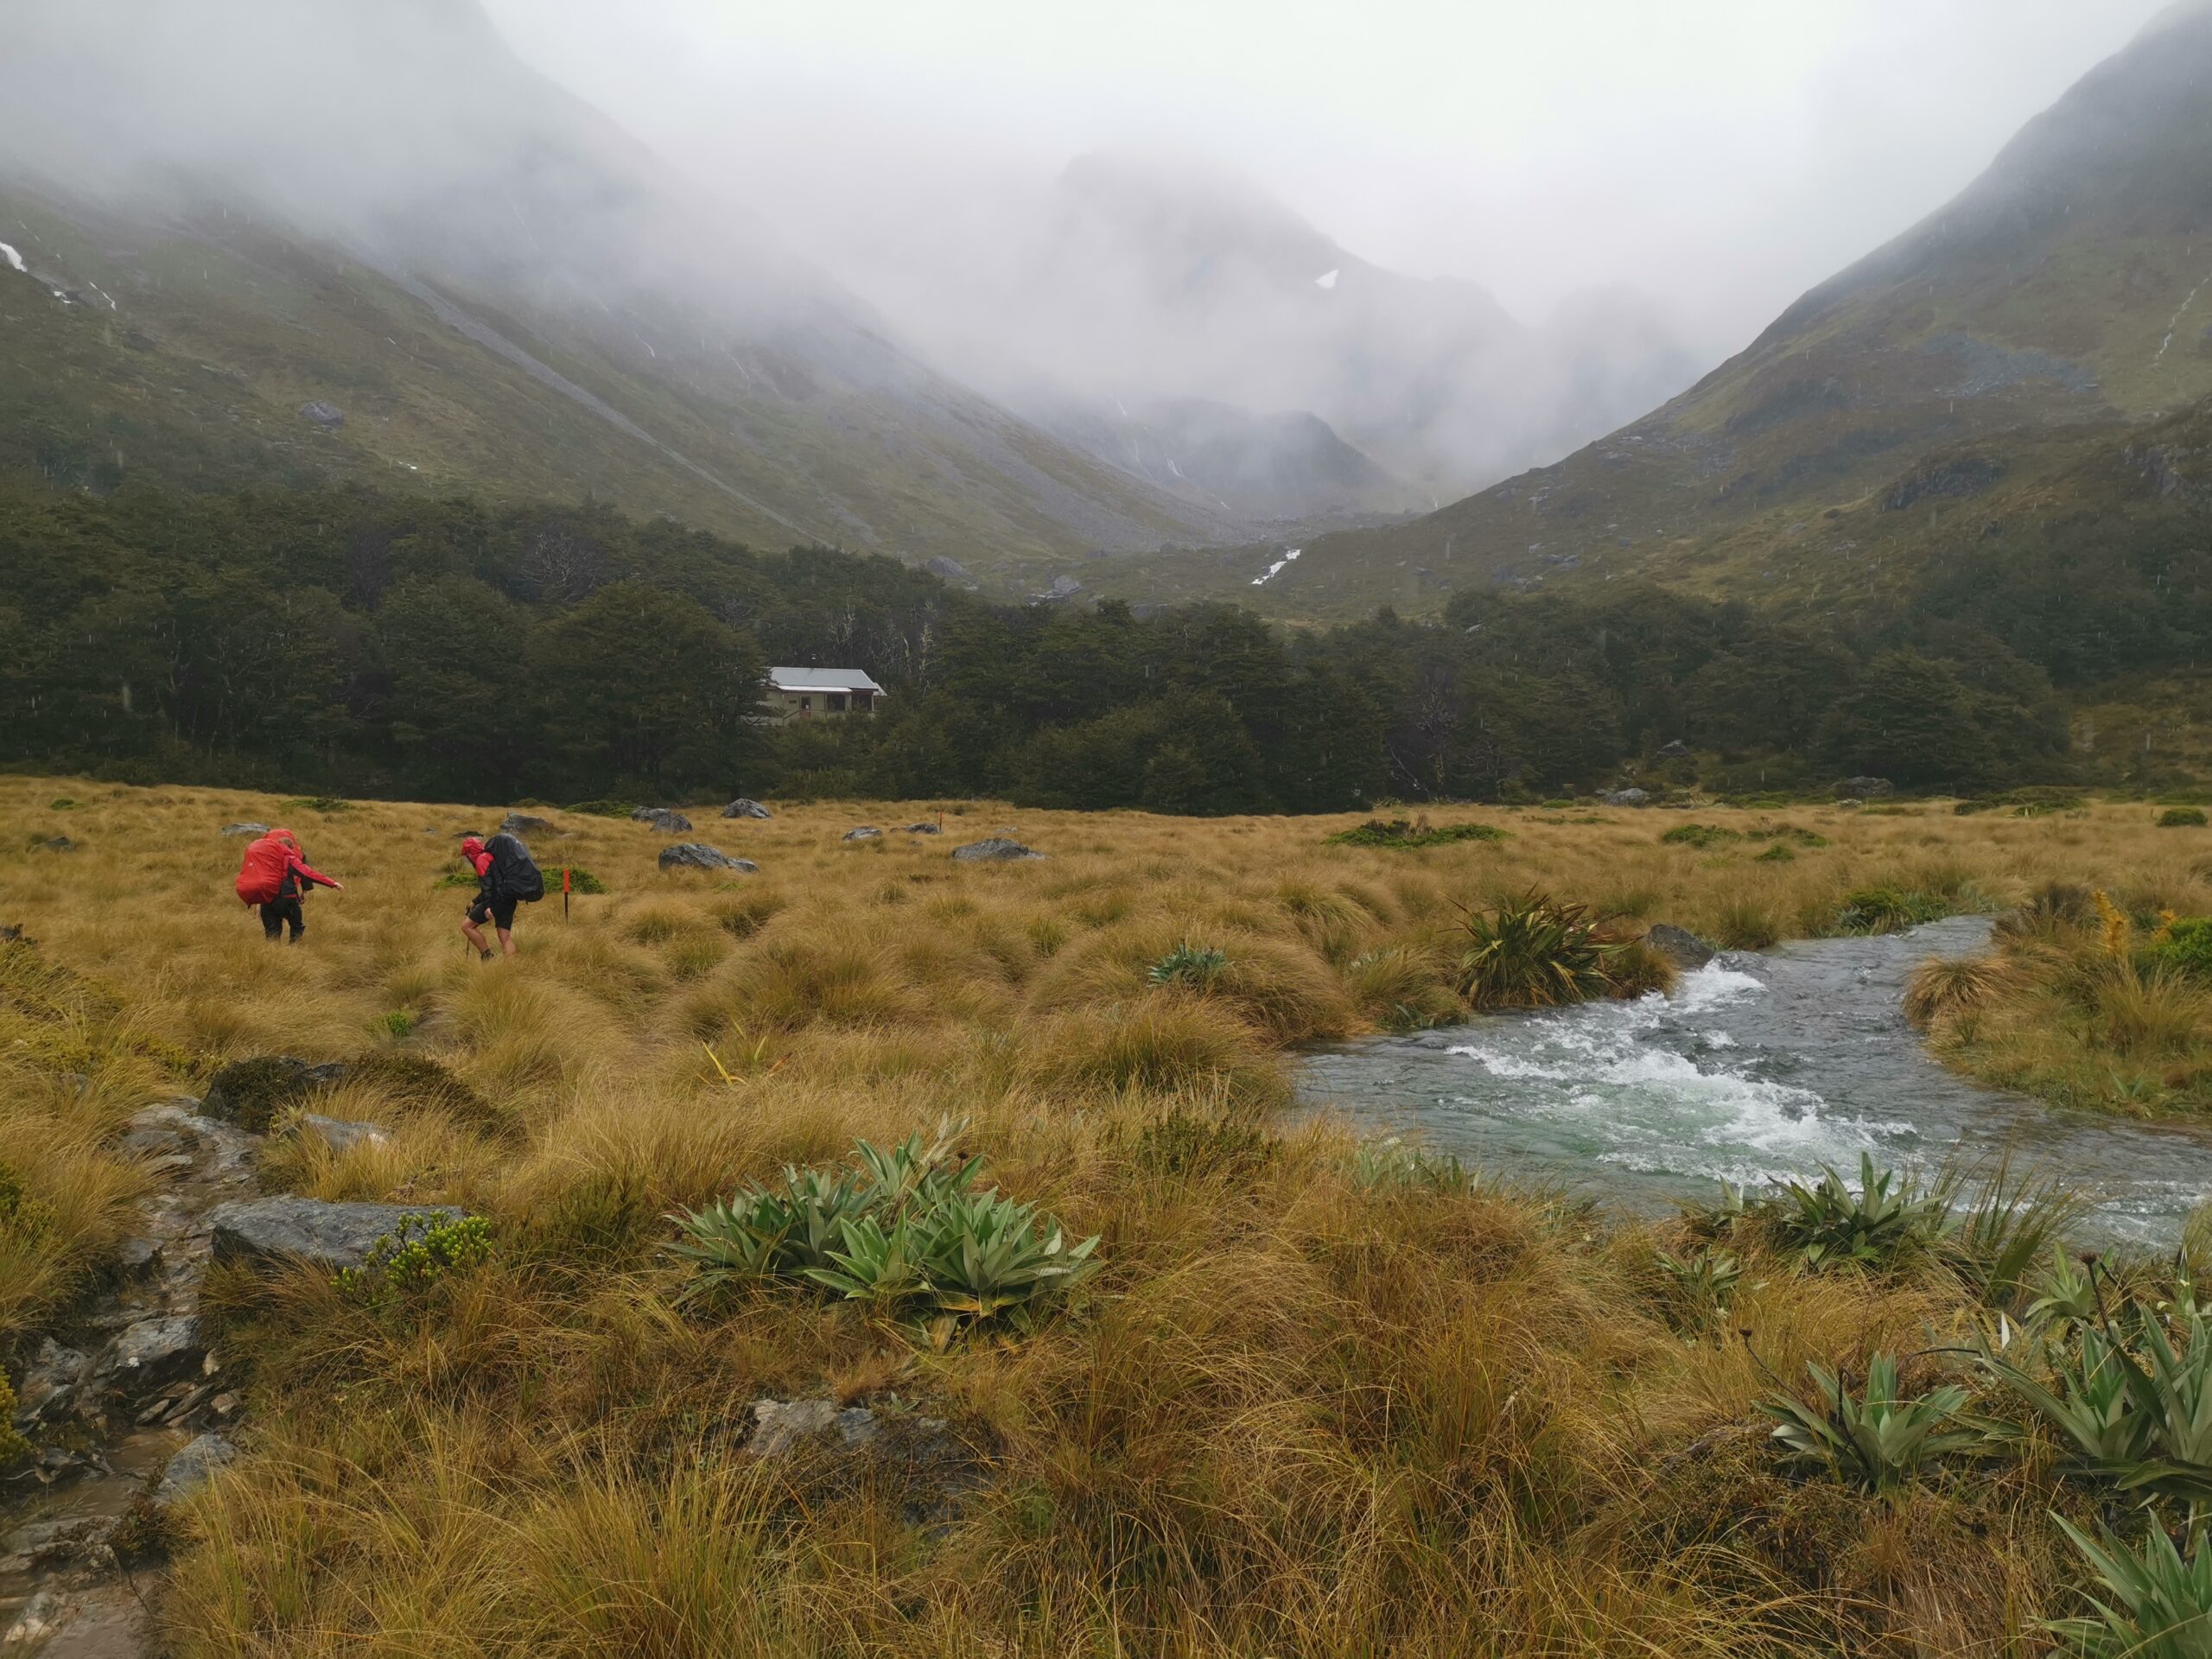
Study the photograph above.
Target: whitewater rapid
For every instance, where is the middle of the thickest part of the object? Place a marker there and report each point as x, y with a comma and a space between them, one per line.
1755, 1069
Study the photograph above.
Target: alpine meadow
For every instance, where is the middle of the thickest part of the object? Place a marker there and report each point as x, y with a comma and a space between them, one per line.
848, 833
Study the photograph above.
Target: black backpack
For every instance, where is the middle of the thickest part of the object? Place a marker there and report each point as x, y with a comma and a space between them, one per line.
514, 873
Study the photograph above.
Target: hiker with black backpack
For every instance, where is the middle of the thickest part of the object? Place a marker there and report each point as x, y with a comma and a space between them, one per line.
506, 876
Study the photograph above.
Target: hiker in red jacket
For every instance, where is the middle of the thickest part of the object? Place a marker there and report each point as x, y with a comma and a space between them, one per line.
276, 878
488, 906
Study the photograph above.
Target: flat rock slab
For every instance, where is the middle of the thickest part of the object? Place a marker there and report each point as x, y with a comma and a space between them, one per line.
781, 1425
262, 1232
666, 819
697, 855
865, 832
521, 823
743, 807
245, 828
925, 830
151, 1355
993, 848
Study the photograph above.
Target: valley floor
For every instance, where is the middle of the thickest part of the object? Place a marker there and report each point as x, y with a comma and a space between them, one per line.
1316, 1399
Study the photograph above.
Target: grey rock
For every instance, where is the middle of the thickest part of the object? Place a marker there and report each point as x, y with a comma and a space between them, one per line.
521, 823
1626, 798
49, 1383
1865, 789
666, 819
925, 830
780, 1426
138, 1257
1680, 946
865, 832
149, 1354
697, 855
1062, 588
339, 1135
993, 848
947, 570
245, 828
329, 416
744, 807
43, 1616
192, 1466
55, 843
261, 1232
1674, 751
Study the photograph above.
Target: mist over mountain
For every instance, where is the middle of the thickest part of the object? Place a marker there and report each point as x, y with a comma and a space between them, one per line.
1131, 278
1955, 386
244, 208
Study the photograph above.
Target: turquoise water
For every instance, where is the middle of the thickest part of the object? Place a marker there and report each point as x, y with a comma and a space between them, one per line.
1760, 1066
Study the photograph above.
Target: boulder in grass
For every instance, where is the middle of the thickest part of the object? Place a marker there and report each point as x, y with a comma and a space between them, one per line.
55, 843
329, 416
865, 832
666, 819
1680, 946
191, 1468
265, 1232
925, 830
245, 828
744, 807
697, 855
521, 823
340, 1134
1865, 789
250, 1093
993, 849
1626, 798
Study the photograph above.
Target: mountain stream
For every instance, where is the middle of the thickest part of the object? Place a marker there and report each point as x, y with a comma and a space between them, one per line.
1758, 1067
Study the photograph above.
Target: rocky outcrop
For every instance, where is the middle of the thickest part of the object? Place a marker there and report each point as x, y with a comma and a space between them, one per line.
925, 830
193, 1465
1676, 750
666, 819
918, 1460
246, 830
697, 855
266, 1232
865, 832
329, 416
993, 849
744, 807
947, 570
1626, 798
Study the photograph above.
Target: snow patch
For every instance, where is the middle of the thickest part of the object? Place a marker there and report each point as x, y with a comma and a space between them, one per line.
14, 260
1276, 568
1328, 278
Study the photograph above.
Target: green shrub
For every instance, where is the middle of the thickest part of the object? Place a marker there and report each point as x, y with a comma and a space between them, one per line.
63, 804
12, 1444
1699, 835
1878, 1440
1887, 910
396, 1024
605, 808
2165, 1609
579, 880
2131, 1409
1828, 1223
2174, 817
2185, 947
419, 1252
902, 1231
1532, 952
1781, 852
1196, 966
1417, 832
1703, 1281
325, 804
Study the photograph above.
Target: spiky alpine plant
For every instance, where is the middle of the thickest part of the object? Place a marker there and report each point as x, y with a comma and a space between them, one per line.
1533, 952
2137, 1414
2164, 1602
1828, 1224
1878, 1440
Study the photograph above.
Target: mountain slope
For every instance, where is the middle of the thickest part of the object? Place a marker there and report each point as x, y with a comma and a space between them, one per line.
377, 208
2063, 300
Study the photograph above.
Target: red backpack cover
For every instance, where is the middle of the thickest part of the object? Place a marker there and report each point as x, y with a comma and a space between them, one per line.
262, 871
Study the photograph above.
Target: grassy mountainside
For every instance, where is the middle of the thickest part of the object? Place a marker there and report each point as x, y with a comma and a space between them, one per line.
2059, 304
1318, 1400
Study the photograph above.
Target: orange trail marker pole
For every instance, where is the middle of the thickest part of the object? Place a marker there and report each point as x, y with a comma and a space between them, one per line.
564, 893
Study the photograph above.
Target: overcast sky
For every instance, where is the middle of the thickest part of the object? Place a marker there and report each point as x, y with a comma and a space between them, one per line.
1723, 155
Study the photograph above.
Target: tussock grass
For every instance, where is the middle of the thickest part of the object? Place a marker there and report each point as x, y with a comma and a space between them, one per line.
1299, 1412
